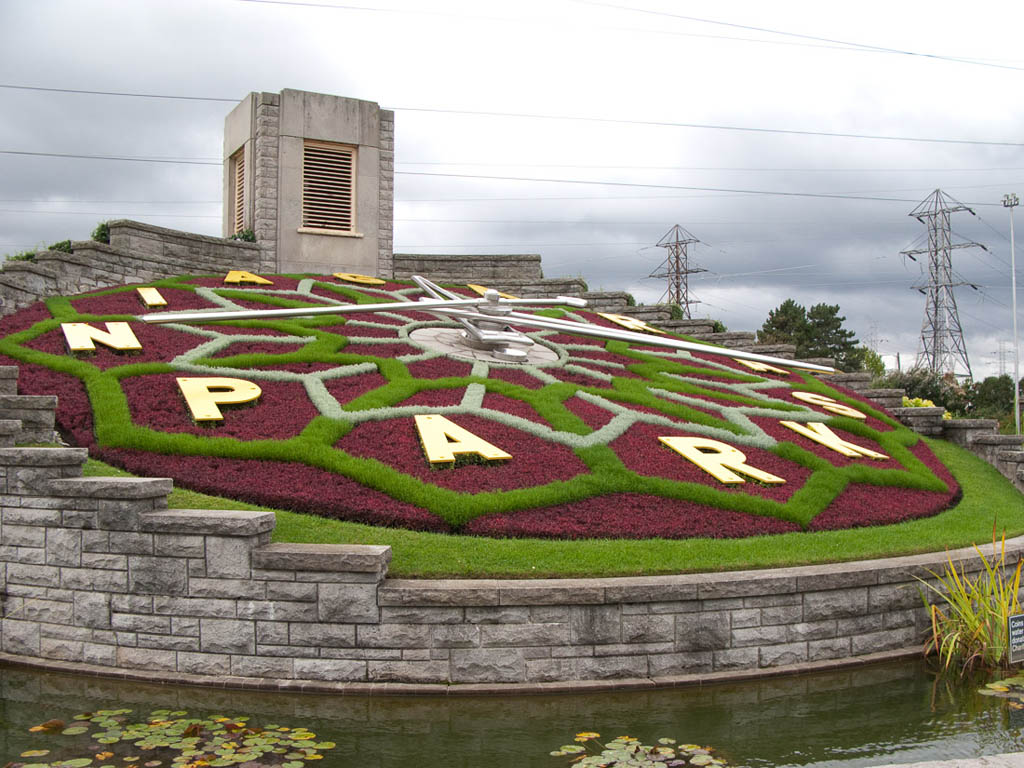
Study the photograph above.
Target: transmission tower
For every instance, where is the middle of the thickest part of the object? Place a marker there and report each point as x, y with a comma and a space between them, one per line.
676, 268
942, 347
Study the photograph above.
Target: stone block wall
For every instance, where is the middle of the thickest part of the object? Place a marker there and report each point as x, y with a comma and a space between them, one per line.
486, 269
137, 253
99, 573
386, 193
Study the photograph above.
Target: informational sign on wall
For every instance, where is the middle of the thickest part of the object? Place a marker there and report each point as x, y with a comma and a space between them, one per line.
1015, 630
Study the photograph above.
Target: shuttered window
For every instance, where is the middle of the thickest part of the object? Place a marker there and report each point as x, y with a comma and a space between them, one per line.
328, 186
238, 191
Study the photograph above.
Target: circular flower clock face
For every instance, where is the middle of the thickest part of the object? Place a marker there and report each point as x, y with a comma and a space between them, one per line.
391, 417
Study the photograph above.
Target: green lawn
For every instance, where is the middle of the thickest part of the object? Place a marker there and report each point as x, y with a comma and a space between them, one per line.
988, 499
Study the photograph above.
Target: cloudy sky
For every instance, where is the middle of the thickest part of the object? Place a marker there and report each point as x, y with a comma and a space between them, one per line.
578, 129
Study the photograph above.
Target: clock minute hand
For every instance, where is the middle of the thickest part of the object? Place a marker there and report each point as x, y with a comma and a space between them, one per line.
615, 334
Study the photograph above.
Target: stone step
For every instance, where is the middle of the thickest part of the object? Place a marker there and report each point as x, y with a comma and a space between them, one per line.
736, 339
36, 414
858, 381
541, 288
211, 522
924, 421
887, 398
785, 351
688, 326
655, 314
8, 379
607, 301
1009, 441
820, 361
23, 283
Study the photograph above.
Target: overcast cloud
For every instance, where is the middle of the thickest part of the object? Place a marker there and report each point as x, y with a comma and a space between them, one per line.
631, 60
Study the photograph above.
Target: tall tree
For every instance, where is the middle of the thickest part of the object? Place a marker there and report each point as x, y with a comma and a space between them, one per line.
787, 324
826, 337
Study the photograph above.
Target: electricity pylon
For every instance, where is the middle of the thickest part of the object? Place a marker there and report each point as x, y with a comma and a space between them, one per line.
942, 347
676, 268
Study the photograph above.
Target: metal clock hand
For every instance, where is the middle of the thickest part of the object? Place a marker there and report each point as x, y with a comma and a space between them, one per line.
487, 324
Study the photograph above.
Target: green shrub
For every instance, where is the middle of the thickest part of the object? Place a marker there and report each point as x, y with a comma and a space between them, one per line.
969, 622
245, 235
64, 246
102, 232
22, 256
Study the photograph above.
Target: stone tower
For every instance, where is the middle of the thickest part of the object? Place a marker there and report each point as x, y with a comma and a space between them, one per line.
312, 176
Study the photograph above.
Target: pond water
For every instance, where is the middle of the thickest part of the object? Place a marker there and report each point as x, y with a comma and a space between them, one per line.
864, 716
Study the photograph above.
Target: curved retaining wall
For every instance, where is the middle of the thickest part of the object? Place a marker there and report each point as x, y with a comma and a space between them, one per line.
98, 572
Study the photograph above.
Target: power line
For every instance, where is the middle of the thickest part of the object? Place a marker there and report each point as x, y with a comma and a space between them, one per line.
752, 169
111, 157
577, 118
852, 45
115, 93
107, 213
776, 193
707, 126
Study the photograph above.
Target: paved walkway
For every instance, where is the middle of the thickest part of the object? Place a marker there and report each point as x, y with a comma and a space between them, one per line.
1009, 760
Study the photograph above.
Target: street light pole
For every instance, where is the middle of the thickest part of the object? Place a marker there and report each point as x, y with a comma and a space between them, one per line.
1010, 201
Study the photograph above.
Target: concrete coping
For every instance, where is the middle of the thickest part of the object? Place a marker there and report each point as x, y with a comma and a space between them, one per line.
177, 234
213, 522
325, 558
110, 487
10, 426
29, 266
42, 457
988, 424
28, 402
997, 440
692, 586
8, 371
922, 413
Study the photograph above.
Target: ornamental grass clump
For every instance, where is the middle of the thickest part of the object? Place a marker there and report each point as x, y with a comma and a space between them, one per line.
625, 751
969, 620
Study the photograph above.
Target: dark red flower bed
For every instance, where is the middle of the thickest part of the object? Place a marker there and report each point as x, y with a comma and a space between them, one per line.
627, 516
364, 331
264, 305
380, 350
256, 348
620, 372
234, 330
327, 293
279, 485
785, 434
346, 388
656, 412
579, 379
159, 344
24, 318
515, 376
567, 338
130, 303
593, 416
634, 448
396, 443
439, 368
436, 398
582, 355
281, 412
863, 505
512, 407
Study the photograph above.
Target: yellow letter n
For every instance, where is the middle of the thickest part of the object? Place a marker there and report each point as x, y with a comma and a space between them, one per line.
721, 460
442, 439
81, 337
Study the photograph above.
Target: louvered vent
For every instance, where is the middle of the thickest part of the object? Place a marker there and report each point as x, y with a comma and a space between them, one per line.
328, 186
238, 191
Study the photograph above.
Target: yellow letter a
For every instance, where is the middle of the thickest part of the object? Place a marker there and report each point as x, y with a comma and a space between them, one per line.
442, 439
81, 336
718, 458
241, 276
